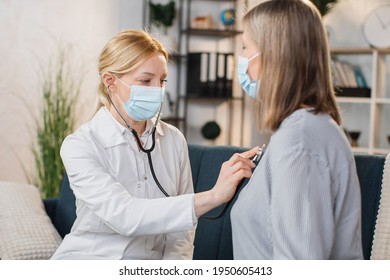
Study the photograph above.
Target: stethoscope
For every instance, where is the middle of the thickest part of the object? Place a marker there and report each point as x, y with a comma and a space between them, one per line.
146, 151
255, 159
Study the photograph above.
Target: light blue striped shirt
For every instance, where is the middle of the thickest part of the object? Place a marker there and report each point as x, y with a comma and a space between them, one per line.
303, 200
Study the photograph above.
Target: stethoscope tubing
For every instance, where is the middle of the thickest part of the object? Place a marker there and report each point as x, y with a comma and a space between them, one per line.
139, 144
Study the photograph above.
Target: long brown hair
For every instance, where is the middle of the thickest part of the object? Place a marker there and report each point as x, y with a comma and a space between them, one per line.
123, 53
295, 61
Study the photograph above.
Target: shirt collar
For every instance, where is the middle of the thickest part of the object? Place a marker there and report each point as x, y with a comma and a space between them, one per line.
110, 132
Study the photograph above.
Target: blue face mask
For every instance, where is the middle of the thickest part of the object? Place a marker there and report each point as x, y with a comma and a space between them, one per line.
250, 87
144, 102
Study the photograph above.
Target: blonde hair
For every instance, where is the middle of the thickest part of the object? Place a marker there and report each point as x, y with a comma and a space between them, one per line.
124, 53
295, 61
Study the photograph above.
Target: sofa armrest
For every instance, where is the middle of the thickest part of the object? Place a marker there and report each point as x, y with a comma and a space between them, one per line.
51, 207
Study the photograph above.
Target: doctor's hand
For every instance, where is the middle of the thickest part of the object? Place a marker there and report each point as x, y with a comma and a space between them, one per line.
239, 166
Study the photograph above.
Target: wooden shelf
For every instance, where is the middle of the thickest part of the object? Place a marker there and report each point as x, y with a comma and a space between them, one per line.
362, 150
212, 32
362, 100
384, 101
193, 97
354, 51
215, 0
381, 151
172, 119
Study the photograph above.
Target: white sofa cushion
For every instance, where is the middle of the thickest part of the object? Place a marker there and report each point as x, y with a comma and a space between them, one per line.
381, 243
26, 231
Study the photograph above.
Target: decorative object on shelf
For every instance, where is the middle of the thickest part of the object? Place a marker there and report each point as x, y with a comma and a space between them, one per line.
202, 22
162, 16
354, 138
346, 132
388, 139
376, 27
211, 130
227, 17
324, 6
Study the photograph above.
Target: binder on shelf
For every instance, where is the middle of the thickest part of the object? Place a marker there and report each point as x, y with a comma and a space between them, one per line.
361, 81
204, 73
212, 81
221, 74
210, 75
229, 75
197, 74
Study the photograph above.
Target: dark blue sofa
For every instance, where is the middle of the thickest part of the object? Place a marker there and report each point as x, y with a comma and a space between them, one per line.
213, 239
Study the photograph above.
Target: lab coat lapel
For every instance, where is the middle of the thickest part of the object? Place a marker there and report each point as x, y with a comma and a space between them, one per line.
106, 131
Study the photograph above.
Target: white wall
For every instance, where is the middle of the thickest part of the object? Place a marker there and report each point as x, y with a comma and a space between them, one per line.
30, 32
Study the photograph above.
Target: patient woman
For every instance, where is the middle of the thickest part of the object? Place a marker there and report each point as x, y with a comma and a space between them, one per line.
123, 212
303, 200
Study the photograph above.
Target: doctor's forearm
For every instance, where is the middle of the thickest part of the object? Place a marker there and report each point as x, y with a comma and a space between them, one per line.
204, 202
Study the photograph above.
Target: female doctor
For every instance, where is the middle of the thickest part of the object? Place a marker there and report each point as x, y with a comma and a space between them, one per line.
131, 202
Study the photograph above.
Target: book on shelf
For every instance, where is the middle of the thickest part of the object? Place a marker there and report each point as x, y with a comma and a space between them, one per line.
353, 92
361, 81
210, 74
349, 80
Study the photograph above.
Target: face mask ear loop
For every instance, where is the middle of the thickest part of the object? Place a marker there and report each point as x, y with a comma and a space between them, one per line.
158, 115
254, 56
112, 103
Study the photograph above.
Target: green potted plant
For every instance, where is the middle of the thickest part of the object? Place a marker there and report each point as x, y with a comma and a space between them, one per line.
54, 123
162, 15
324, 6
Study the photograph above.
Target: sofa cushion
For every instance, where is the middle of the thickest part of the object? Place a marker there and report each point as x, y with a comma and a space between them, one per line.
381, 242
26, 232
213, 238
66, 208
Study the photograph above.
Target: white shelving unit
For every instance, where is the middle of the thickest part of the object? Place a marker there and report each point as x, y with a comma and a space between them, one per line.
379, 102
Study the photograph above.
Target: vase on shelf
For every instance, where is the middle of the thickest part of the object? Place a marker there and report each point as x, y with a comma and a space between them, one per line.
354, 138
388, 139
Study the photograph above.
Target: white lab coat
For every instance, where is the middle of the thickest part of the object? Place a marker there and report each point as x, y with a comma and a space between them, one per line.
121, 213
